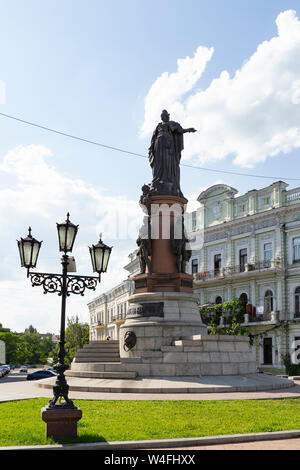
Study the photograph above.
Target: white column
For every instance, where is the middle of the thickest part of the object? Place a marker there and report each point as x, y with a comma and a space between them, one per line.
252, 292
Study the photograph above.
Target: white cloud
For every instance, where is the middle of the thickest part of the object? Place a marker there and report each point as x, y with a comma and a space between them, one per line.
36, 193
253, 115
168, 89
40, 191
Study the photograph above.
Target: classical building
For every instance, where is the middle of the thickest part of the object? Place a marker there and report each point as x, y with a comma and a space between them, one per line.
108, 311
248, 247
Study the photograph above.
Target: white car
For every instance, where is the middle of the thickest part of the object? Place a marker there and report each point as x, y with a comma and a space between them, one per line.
23, 369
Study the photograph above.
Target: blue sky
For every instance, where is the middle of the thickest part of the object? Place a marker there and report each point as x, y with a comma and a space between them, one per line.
102, 70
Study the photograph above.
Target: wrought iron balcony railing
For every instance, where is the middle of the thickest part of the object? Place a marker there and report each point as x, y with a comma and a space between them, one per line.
97, 323
232, 270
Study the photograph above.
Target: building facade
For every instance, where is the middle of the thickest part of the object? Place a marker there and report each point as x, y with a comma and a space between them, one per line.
248, 247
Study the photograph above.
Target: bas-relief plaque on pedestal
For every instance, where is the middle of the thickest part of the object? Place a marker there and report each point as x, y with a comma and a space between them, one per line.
149, 309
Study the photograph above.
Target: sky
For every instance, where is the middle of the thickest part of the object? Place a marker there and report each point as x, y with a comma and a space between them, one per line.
103, 71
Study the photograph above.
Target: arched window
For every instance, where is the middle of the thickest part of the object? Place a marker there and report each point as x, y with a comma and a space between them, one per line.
268, 304
297, 302
218, 300
296, 249
244, 299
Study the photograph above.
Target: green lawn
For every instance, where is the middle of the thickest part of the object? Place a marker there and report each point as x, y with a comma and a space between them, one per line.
21, 423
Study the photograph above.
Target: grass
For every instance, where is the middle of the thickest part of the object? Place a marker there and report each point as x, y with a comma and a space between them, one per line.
21, 423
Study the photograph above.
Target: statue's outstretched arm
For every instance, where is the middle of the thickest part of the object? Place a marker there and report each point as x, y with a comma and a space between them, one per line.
190, 129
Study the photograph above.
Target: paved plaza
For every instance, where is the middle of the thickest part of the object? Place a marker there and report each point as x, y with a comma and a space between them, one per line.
16, 387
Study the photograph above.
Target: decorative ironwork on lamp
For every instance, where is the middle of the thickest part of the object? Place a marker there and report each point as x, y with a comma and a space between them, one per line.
63, 284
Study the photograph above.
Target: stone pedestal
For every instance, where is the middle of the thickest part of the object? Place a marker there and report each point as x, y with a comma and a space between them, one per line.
163, 282
166, 219
159, 318
61, 423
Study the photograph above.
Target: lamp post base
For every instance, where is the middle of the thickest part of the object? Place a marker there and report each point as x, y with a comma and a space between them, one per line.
61, 423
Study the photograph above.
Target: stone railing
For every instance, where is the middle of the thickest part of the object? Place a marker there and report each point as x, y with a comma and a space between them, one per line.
118, 317
293, 195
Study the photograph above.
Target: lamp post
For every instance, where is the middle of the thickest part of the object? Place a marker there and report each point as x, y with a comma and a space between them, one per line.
62, 416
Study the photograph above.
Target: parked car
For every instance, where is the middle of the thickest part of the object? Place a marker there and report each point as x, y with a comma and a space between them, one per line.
6, 368
2, 372
41, 374
12, 367
23, 369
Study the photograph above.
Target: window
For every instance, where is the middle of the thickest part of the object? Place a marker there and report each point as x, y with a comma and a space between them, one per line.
194, 266
267, 351
265, 201
217, 264
297, 302
268, 304
194, 221
243, 259
296, 250
218, 300
296, 355
244, 300
242, 208
268, 254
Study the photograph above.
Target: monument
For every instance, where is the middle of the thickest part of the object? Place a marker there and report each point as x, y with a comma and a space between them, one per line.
163, 334
163, 307
163, 344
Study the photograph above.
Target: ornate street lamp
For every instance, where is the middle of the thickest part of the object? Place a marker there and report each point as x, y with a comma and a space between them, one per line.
63, 284
66, 235
29, 249
100, 255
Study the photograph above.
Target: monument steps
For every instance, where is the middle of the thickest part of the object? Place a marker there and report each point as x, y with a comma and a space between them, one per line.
102, 353
102, 375
98, 351
105, 344
94, 358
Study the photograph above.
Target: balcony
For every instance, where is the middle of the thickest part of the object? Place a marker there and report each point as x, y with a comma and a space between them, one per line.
230, 271
293, 195
225, 319
117, 317
97, 323
273, 316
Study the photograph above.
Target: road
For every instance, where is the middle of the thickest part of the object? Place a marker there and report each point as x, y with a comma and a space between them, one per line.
14, 386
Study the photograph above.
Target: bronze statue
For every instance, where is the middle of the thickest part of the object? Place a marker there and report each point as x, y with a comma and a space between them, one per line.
165, 155
179, 244
144, 244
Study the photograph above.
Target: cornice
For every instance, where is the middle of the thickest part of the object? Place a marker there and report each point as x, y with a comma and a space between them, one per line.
252, 218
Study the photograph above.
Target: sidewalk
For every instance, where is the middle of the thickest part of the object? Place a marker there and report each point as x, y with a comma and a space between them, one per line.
16, 387
281, 440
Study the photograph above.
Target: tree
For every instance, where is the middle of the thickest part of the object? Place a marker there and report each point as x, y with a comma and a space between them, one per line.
26, 348
233, 315
77, 334
11, 341
31, 330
